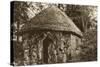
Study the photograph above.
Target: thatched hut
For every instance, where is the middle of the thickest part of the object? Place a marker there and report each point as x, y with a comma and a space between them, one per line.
51, 37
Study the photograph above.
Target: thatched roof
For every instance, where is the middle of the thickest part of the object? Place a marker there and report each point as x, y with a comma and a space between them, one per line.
52, 18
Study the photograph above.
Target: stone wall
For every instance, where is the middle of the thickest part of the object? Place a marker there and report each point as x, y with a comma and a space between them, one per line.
61, 47
74, 48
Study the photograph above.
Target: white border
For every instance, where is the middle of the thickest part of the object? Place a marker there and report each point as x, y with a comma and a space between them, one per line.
5, 32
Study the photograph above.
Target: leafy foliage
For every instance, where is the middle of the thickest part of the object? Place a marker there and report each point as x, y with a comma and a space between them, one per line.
89, 47
82, 15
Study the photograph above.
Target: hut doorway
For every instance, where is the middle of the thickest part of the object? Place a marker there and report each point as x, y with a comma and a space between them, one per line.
46, 42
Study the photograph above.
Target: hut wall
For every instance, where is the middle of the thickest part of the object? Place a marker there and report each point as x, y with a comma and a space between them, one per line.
61, 49
74, 48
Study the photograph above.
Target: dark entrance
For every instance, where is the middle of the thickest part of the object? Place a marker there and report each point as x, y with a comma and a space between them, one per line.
47, 41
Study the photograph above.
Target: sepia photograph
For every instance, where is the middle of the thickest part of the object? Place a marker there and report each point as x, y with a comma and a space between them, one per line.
52, 33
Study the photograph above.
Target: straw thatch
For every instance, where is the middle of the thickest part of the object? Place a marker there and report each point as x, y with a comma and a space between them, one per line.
52, 18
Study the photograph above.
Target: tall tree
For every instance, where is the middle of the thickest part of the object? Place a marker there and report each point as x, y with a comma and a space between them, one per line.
19, 17
82, 15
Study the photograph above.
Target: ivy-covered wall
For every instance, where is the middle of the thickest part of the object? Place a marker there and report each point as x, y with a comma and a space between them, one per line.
49, 47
